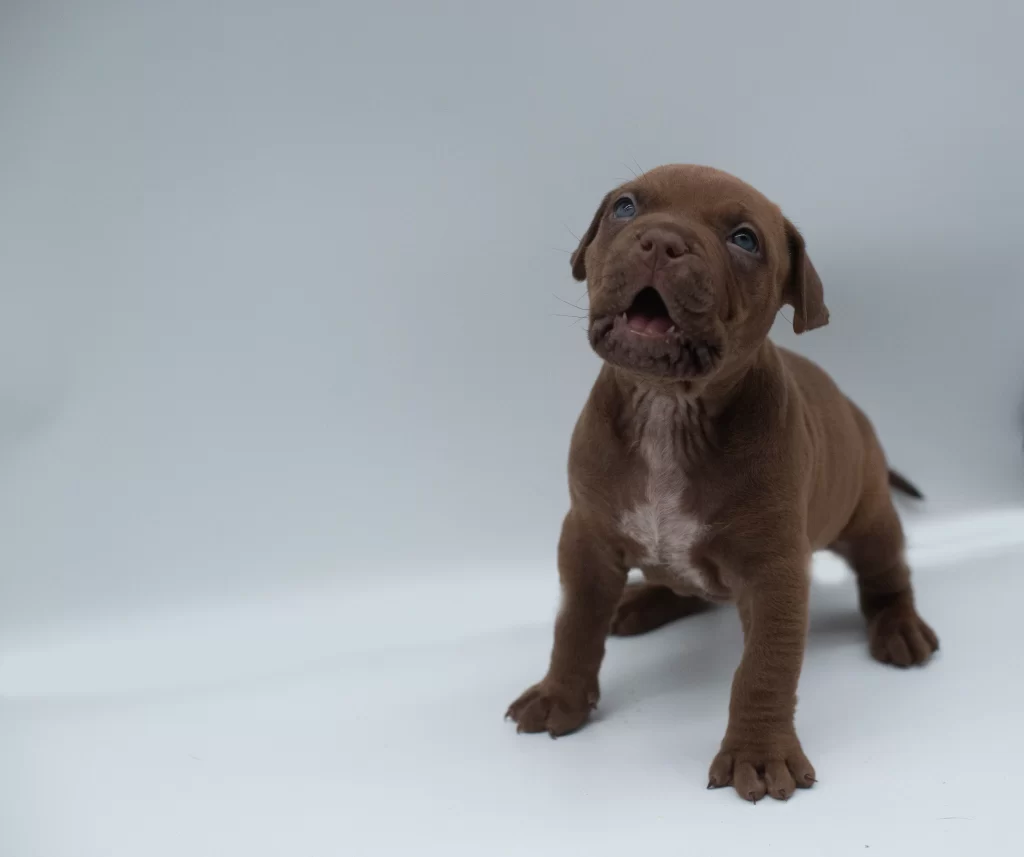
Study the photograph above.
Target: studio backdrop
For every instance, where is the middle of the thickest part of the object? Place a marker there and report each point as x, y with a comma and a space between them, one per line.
286, 291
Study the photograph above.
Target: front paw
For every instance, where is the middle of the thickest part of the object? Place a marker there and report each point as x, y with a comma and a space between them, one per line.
557, 708
775, 767
898, 636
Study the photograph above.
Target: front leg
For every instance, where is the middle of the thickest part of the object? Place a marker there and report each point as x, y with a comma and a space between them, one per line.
760, 752
592, 578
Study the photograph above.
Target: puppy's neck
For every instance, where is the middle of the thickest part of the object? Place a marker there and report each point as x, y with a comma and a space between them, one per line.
677, 406
640, 393
664, 422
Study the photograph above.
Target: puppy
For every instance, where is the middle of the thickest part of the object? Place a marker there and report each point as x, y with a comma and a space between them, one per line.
716, 463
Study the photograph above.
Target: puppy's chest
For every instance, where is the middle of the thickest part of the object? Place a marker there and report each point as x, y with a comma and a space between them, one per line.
655, 518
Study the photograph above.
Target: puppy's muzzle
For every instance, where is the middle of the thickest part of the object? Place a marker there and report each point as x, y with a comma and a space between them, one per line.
669, 256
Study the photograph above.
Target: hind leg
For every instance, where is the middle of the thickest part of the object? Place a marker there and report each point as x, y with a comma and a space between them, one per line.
873, 545
646, 606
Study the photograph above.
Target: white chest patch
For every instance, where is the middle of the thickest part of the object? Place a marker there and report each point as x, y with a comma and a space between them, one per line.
658, 524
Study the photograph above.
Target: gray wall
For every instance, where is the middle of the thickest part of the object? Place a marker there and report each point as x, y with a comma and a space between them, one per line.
279, 280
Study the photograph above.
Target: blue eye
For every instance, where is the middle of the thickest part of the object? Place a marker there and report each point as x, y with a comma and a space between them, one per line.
624, 208
745, 239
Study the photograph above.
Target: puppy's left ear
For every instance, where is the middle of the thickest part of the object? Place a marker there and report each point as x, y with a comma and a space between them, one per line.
578, 258
803, 290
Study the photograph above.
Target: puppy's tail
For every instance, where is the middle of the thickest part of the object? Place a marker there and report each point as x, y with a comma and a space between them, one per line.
901, 483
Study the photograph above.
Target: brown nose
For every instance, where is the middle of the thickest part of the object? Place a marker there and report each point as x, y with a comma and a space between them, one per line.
660, 246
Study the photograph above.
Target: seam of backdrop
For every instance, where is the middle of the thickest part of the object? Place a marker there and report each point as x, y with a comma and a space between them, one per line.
323, 627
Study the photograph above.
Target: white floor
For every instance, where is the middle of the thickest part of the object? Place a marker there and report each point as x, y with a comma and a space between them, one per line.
370, 722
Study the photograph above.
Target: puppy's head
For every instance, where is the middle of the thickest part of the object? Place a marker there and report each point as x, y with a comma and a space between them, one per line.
686, 268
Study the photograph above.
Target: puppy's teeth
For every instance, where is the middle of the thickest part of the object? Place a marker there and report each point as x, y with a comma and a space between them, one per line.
672, 329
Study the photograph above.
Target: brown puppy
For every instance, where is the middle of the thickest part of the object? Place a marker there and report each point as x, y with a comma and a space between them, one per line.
716, 463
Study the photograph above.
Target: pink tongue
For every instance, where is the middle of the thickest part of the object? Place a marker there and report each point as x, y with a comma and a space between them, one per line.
640, 323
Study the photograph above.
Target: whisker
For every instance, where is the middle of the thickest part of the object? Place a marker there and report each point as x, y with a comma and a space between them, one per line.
569, 303
628, 167
573, 234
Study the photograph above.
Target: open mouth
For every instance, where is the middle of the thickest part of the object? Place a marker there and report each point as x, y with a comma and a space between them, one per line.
648, 315
645, 339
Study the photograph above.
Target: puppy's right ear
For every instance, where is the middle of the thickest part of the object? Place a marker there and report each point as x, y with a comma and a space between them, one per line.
578, 259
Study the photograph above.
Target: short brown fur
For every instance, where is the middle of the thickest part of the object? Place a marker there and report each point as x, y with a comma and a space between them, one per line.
716, 462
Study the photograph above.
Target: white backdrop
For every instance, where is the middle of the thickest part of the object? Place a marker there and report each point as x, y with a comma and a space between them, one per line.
286, 388
279, 280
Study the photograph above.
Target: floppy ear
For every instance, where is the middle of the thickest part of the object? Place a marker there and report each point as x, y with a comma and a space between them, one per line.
578, 260
803, 290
